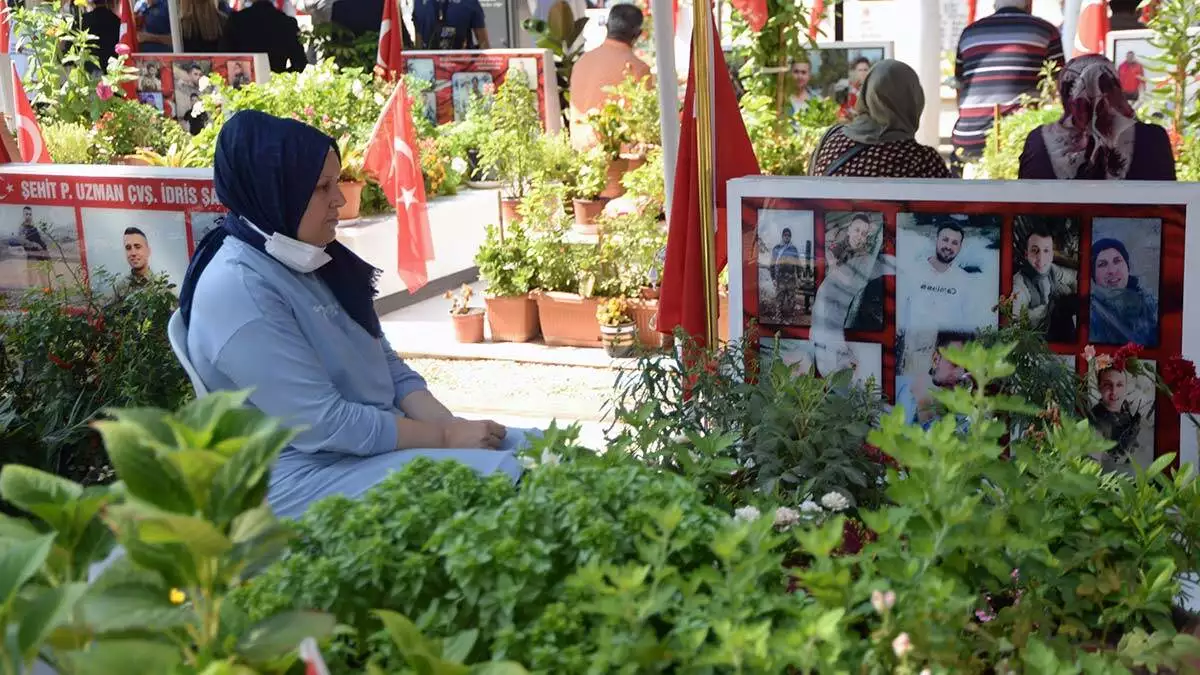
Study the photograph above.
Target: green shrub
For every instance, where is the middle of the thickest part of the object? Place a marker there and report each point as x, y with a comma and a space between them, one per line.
437, 542
72, 143
1009, 137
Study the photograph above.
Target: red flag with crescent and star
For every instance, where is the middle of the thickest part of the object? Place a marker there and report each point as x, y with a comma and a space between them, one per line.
391, 42
29, 134
393, 162
129, 38
1091, 36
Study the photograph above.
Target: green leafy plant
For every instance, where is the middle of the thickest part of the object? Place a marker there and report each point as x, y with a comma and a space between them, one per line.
513, 148
179, 156
73, 143
352, 158
766, 53
560, 33
592, 176
438, 657
1171, 21
626, 259
646, 184
506, 262
784, 146
128, 127
330, 41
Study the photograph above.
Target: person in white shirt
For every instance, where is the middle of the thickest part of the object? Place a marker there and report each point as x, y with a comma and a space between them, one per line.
936, 295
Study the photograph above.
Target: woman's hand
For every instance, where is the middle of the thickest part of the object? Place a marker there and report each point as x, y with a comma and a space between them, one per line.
466, 434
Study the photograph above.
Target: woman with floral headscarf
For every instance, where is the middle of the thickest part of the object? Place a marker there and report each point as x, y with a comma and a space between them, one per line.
1098, 137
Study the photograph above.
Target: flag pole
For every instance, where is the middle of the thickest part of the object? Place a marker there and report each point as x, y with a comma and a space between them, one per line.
702, 59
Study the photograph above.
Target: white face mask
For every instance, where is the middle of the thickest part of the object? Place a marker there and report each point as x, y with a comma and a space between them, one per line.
293, 253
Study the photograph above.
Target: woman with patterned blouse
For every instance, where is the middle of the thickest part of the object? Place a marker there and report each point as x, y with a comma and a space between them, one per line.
880, 142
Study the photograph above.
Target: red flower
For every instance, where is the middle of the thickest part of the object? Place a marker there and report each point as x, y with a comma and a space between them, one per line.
1186, 397
59, 362
1122, 355
1177, 371
877, 455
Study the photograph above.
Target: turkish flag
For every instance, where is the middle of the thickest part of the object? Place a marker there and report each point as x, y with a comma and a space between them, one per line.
1092, 32
391, 42
393, 162
681, 301
128, 37
5, 30
814, 19
972, 9
753, 11
29, 135
310, 654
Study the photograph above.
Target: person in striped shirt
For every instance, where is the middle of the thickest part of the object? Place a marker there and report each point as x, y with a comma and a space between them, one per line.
998, 61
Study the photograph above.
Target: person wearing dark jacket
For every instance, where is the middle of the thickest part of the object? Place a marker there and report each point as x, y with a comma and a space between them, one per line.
105, 27
262, 28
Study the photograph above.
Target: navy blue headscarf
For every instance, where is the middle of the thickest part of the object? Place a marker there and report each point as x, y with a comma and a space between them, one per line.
266, 170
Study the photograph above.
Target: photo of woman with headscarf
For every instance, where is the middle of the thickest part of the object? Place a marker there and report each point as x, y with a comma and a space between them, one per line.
274, 304
1125, 275
1123, 412
850, 298
1099, 136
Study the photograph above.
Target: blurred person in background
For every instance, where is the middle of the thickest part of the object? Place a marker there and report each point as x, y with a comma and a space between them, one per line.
606, 66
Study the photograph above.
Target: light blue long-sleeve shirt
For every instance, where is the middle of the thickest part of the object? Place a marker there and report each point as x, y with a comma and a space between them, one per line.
257, 324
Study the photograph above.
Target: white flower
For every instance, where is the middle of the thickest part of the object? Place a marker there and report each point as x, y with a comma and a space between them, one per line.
786, 518
356, 87
217, 100
459, 165
204, 83
835, 501
883, 601
902, 645
748, 514
550, 459
198, 108
379, 99
527, 461
926, 672
809, 507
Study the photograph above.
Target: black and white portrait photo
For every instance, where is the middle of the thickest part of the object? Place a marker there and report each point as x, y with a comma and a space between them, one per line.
1045, 281
1126, 254
786, 267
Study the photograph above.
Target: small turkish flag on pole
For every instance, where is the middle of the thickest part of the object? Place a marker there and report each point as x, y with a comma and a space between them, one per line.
391, 42
393, 161
310, 654
128, 38
972, 11
814, 19
29, 135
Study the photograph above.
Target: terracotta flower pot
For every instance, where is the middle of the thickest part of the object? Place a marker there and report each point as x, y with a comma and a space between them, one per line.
352, 193
508, 211
586, 212
645, 315
468, 328
513, 318
568, 320
620, 342
133, 160
616, 169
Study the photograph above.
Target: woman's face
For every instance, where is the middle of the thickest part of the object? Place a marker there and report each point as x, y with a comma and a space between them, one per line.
318, 225
858, 233
802, 75
1112, 271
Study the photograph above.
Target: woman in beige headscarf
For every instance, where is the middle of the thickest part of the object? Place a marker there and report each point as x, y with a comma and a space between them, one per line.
880, 141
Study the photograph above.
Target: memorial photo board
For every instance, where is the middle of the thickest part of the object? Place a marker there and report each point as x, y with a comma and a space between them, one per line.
457, 75
174, 83
879, 275
1137, 65
98, 224
834, 70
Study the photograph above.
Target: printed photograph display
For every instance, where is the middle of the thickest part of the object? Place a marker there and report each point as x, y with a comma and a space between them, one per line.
1121, 407
947, 282
864, 358
895, 282
1139, 67
456, 76
202, 224
175, 83
1126, 254
1045, 283
39, 248
786, 267
832, 72
125, 247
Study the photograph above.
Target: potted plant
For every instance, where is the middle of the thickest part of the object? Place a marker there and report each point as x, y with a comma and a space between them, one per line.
513, 149
566, 307
591, 180
353, 178
618, 331
468, 320
611, 127
505, 262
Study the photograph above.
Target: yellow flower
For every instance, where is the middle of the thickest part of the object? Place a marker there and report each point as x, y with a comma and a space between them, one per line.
81, 3
177, 596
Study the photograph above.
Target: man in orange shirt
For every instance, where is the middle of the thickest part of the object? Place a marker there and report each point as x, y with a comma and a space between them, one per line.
605, 66
1133, 77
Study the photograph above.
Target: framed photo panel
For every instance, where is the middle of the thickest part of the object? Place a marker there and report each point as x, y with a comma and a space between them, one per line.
174, 83
1138, 65
879, 275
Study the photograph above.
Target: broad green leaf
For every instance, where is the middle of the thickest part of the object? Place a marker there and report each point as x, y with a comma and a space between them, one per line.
241, 483
146, 476
197, 467
20, 562
405, 634
27, 487
15, 529
152, 421
197, 534
203, 415
50, 609
1160, 464
130, 607
275, 637
127, 657
457, 649
499, 668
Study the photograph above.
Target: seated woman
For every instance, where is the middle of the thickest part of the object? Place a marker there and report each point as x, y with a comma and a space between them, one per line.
275, 304
880, 142
1098, 137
